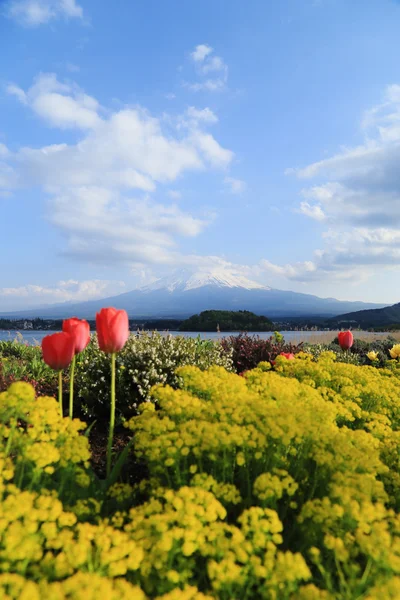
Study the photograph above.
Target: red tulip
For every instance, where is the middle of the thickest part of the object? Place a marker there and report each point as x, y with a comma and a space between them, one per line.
80, 331
345, 339
112, 328
287, 355
58, 350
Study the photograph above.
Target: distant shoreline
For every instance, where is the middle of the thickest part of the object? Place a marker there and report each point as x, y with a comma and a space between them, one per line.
173, 325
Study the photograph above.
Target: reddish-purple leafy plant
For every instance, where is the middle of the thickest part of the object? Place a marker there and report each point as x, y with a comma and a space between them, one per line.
249, 350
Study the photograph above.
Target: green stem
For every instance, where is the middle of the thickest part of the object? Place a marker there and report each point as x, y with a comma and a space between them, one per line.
9, 441
112, 415
71, 389
60, 399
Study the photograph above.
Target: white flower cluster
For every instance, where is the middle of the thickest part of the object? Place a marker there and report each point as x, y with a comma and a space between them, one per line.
145, 361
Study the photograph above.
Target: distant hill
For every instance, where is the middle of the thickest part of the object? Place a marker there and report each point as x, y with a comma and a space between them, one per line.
187, 293
373, 318
227, 320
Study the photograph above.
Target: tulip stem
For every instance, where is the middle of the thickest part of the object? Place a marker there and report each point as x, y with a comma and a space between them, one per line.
60, 398
112, 415
71, 388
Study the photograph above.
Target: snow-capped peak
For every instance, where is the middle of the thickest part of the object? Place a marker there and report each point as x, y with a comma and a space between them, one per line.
188, 280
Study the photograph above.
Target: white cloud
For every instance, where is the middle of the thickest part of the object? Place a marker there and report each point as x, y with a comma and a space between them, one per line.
63, 291
214, 64
357, 195
236, 186
105, 227
296, 271
70, 8
210, 85
201, 52
206, 63
32, 13
193, 119
206, 114
93, 184
16, 91
312, 210
59, 104
211, 150
126, 150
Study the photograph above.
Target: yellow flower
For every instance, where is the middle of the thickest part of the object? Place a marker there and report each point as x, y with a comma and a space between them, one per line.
372, 355
240, 459
395, 351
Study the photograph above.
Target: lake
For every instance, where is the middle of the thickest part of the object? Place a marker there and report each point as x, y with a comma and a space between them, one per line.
35, 337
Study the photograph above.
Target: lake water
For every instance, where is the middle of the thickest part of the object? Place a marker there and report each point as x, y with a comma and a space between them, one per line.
35, 337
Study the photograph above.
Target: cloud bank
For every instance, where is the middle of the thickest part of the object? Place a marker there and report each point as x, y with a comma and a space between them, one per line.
356, 197
101, 189
32, 13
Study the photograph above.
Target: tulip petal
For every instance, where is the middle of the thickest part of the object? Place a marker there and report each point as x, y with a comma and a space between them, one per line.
112, 328
80, 331
58, 350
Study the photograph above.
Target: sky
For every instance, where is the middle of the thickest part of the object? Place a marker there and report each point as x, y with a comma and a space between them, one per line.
143, 136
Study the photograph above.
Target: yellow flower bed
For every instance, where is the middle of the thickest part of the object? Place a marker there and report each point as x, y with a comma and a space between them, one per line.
282, 484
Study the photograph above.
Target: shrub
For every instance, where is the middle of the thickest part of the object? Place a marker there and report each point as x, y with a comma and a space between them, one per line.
249, 350
357, 354
48, 451
283, 484
145, 360
19, 362
17, 348
310, 447
344, 356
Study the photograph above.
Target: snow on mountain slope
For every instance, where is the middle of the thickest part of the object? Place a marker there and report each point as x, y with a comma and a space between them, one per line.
185, 280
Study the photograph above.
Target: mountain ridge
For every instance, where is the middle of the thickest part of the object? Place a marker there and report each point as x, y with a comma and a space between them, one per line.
378, 317
189, 293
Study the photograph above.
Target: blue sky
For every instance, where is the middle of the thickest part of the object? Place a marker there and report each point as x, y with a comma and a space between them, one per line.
141, 136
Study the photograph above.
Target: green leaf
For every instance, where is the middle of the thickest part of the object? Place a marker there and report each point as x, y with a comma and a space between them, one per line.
118, 465
89, 429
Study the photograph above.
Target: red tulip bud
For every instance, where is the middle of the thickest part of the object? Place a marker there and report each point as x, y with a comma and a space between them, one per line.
58, 350
345, 340
287, 355
112, 328
80, 331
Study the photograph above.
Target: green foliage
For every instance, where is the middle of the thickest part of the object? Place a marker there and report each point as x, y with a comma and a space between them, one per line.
357, 355
226, 320
17, 348
21, 362
283, 484
341, 355
146, 360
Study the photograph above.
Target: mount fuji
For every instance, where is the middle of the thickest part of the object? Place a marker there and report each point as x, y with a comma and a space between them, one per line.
184, 280
189, 292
